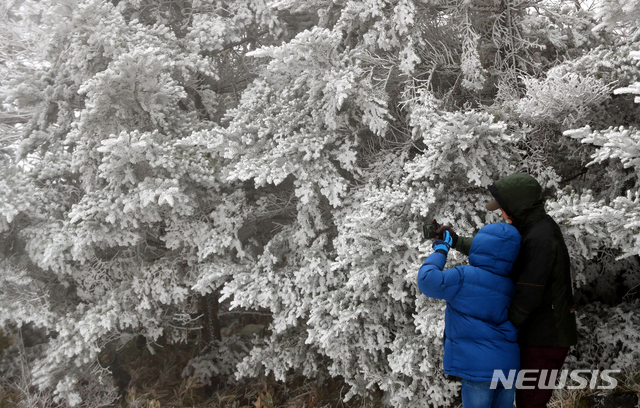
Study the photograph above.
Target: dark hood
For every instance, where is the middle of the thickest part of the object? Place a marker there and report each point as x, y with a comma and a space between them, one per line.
520, 196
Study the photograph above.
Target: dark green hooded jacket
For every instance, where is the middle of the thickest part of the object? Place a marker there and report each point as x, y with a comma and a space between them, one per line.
542, 307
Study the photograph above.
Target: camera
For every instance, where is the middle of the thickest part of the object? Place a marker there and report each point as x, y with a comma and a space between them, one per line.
429, 228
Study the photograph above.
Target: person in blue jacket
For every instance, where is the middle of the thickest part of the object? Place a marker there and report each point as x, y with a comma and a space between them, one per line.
478, 336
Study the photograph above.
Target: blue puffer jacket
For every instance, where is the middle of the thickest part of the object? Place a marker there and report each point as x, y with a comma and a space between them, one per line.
478, 337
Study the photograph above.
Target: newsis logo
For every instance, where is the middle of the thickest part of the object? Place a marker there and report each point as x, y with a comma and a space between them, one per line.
526, 379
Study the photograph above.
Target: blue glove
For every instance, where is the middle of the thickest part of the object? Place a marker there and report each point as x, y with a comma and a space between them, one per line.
443, 245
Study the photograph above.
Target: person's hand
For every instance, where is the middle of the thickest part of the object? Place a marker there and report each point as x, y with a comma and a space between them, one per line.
454, 237
443, 245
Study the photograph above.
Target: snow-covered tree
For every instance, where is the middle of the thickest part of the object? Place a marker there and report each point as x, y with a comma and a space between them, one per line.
116, 191
282, 155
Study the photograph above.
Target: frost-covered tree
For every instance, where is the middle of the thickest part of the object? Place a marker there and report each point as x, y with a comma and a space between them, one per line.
365, 318
123, 216
364, 162
282, 154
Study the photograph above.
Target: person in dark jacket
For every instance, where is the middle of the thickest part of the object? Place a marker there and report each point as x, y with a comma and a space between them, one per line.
542, 306
478, 337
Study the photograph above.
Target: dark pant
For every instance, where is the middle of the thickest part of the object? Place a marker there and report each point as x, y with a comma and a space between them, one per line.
538, 358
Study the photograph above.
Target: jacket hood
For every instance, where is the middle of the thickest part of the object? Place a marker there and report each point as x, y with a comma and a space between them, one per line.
495, 248
520, 196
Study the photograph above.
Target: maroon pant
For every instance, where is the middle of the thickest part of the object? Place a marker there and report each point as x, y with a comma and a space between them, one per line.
538, 358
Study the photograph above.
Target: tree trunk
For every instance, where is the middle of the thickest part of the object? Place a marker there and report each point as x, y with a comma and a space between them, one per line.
210, 331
